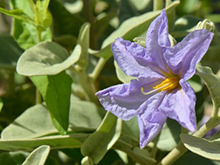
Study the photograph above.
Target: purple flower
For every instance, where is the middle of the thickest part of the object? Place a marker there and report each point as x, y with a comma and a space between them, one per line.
160, 88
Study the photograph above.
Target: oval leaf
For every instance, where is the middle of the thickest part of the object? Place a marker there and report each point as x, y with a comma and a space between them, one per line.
38, 156
56, 91
108, 133
212, 82
46, 58
206, 148
36, 121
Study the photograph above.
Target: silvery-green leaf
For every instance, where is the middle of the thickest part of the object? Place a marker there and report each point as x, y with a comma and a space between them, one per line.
36, 121
55, 142
206, 148
108, 133
83, 41
212, 82
46, 58
38, 156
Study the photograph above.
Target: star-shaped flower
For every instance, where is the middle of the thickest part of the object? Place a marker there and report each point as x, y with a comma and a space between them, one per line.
160, 89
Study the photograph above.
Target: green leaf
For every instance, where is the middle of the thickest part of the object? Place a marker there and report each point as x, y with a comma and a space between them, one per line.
212, 82
9, 52
134, 26
26, 34
26, 6
121, 75
13, 158
207, 148
195, 83
46, 58
18, 14
215, 18
184, 25
212, 58
55, 142
38, 156
44, 18
60, 19
56, 91
108, 133
87, 161
1, 104
169, 135
36, 121
191, 158
83, 41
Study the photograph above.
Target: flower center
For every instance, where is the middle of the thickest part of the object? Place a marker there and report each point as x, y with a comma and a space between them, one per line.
168, 84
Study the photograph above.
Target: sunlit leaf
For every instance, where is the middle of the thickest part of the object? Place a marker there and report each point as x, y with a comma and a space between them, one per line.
26, 34
83, 41
206, 148
18, 14
108, 133
38, 156
36, 121
46, 58
56, 91
55, 142
121, 75
212, 82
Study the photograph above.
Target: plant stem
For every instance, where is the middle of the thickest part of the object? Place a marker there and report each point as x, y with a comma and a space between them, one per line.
158, 5
180, 149
88, 86
94, 75
38, 97
38, 94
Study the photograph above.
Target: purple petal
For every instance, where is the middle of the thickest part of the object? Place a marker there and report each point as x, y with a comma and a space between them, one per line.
157, 40
125, 100
151, 120
132, 59
180, 106
183, 57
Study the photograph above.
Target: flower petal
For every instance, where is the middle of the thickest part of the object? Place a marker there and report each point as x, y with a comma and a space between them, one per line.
183, 57
151, 120
157, 40
125, 100
132, 59
180, 106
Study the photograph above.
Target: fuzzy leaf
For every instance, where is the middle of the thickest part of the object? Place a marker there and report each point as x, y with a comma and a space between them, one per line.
108, 133
36, 121
56, 91
38, 156
212, 82
207, 148
46, 58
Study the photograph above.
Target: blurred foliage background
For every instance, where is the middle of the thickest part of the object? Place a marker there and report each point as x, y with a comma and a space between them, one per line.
105, 16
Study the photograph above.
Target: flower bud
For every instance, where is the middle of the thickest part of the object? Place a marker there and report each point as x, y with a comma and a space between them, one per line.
206, 24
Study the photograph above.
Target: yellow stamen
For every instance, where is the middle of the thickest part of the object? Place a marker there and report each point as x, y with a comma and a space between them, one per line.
168, 84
